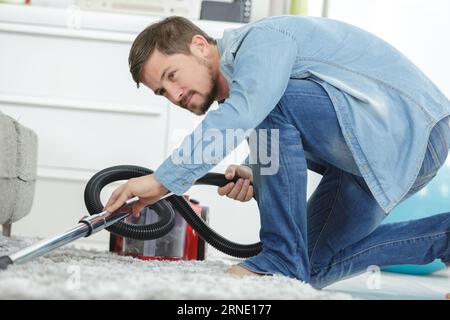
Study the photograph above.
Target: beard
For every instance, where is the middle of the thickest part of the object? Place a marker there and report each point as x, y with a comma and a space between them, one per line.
208, 99
210, 96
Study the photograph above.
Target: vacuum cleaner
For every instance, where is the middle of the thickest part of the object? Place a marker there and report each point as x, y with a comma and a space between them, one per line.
178, 233
182, 242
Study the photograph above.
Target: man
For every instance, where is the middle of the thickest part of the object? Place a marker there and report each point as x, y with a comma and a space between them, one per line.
332, 98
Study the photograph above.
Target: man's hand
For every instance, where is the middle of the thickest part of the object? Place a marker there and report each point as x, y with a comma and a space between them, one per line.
147, 188
241, 190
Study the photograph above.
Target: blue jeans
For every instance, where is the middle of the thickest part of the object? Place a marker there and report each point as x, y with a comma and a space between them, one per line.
336, 233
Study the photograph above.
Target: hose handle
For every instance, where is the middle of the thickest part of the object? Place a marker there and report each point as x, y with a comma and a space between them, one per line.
216, 179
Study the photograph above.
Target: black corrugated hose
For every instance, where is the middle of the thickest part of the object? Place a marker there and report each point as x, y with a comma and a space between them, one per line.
164, 208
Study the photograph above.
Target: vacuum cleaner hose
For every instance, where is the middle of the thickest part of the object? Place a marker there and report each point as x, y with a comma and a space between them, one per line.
164, 210
139, 232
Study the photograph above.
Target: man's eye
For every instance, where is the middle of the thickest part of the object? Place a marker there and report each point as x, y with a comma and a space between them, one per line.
171, 75
161, 92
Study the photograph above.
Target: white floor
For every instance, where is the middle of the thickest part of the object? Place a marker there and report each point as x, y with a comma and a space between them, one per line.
388, 285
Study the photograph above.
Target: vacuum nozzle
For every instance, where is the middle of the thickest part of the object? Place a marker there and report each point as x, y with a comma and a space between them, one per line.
5, 261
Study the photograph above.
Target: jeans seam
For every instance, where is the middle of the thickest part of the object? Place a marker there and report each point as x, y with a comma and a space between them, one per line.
328, 217
384, 244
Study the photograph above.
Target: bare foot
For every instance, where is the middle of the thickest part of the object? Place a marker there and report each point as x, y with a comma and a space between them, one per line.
240, 271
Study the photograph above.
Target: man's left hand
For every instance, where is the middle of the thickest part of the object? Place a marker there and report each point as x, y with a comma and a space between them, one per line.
147, 188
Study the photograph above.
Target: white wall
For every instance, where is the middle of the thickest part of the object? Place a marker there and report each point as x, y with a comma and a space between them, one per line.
418, 28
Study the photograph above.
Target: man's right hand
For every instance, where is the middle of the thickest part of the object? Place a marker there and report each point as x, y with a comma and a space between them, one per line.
241, 190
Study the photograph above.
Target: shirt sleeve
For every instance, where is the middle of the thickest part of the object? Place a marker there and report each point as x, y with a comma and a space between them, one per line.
262, 68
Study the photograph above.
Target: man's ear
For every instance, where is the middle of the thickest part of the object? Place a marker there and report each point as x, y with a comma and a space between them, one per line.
200, 45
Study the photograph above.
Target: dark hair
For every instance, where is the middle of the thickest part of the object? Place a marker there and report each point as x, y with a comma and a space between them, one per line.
170, 36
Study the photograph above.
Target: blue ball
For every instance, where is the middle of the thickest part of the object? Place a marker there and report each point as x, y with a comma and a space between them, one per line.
434, 198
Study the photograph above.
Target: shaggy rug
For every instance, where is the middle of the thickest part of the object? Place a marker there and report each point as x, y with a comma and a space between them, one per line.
71, 273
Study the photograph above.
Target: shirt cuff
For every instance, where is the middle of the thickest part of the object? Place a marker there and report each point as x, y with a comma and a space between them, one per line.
178, 178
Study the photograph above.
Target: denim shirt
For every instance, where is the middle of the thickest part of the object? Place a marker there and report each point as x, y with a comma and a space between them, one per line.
385, 105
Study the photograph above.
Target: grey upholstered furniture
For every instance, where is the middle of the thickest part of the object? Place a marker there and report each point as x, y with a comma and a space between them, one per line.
18, 157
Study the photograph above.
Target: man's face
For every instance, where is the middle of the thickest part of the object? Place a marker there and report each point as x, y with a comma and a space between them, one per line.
186, 80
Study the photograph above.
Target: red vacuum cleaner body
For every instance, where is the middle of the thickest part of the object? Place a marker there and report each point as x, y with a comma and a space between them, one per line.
181, 243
